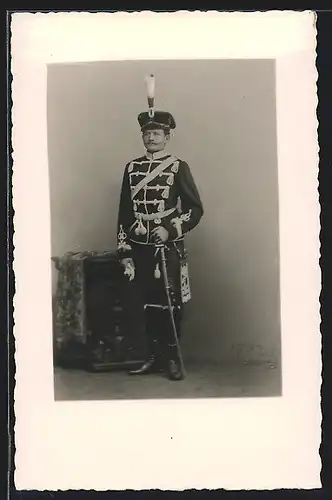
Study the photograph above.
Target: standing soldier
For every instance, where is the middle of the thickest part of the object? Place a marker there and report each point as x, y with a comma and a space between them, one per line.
159, 203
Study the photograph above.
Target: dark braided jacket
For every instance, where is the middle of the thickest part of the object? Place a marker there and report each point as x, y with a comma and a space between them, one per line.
157, 189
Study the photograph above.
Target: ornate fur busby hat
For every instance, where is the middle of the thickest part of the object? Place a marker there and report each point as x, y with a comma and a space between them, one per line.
154, 119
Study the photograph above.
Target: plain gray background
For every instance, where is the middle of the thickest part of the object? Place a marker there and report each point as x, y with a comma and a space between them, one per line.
226, 130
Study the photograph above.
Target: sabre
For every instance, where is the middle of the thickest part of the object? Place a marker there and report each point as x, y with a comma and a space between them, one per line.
170, 308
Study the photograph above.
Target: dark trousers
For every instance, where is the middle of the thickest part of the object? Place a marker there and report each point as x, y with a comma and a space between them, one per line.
146, 307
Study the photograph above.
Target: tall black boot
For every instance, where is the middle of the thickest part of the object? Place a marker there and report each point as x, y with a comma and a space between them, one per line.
153, 363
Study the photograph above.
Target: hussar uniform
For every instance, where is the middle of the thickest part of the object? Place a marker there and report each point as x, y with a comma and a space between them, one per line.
158, 189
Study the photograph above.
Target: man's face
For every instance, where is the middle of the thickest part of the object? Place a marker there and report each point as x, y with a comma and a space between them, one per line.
155, 140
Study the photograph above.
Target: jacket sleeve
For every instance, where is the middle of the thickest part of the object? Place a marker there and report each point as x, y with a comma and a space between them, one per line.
191, 204
125, 218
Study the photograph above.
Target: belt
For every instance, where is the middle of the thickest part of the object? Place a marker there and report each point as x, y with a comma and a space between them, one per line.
157, 215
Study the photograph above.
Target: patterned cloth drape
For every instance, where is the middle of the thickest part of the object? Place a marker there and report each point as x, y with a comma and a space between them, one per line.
69, 303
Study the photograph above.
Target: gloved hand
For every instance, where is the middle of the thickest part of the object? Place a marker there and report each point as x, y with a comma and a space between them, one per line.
129, 268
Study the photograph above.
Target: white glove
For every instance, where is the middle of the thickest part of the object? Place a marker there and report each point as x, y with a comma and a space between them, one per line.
129, 268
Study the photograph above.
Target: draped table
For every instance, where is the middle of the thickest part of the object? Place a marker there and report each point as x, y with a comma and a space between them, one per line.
89, 319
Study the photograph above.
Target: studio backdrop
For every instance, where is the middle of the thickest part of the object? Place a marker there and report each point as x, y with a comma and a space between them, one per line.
226, 131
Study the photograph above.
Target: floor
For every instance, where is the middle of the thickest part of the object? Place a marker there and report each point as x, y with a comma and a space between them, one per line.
227, 380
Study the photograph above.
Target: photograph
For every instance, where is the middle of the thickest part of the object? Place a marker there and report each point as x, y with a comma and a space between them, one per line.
163, 179
166, 251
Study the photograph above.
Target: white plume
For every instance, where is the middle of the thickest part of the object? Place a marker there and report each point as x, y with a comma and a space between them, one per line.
150, 83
